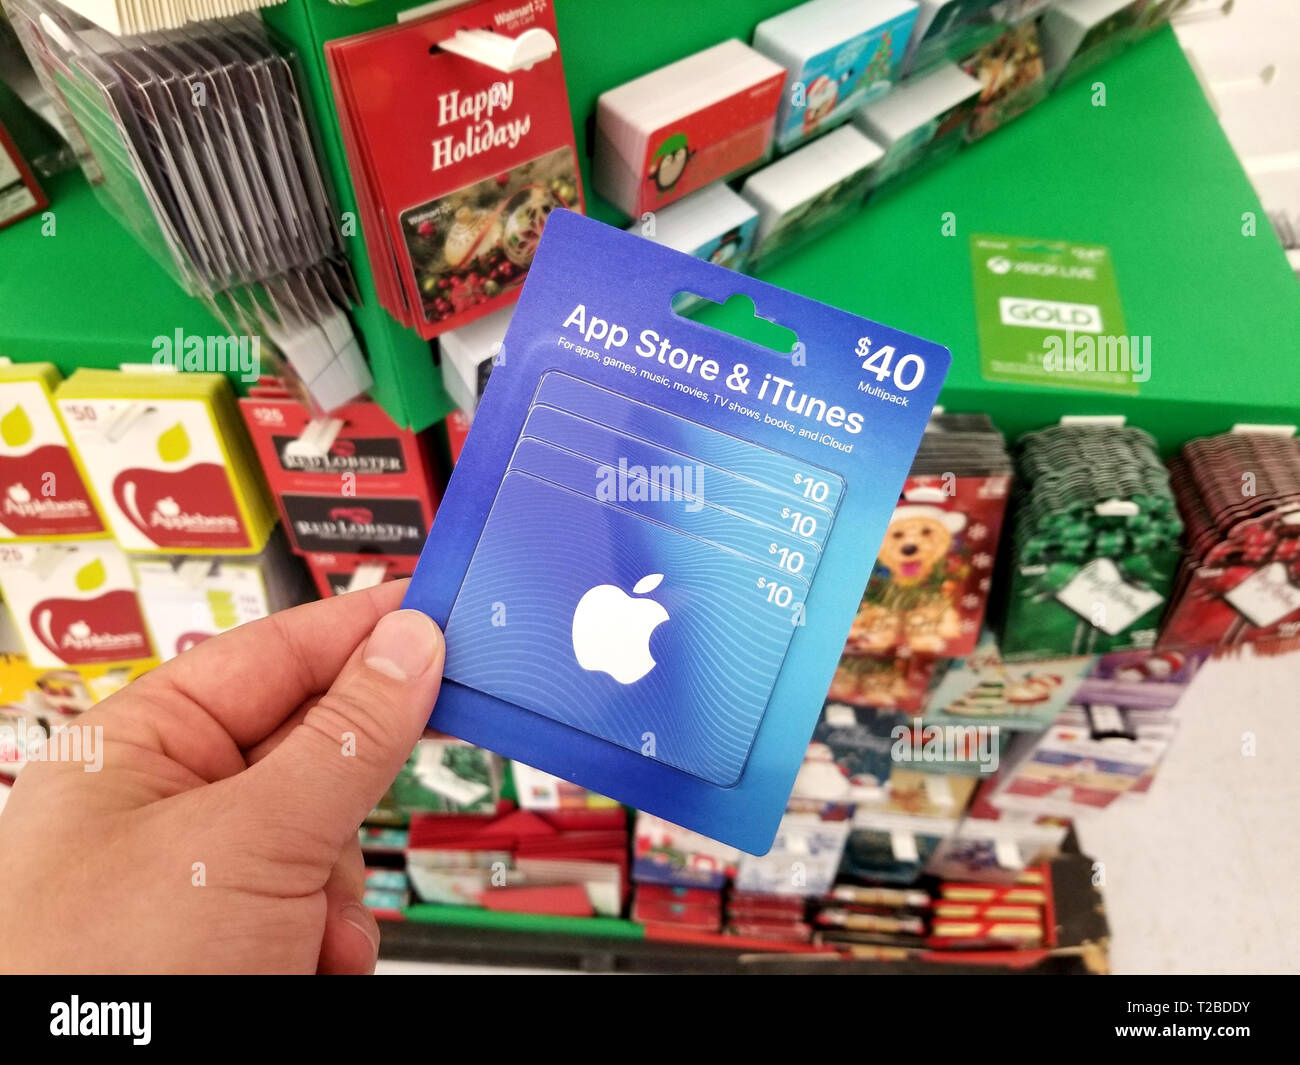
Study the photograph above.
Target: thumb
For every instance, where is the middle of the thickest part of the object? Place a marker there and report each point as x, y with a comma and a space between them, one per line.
332, 768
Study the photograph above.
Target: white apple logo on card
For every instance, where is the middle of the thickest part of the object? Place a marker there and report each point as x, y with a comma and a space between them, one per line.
611, 629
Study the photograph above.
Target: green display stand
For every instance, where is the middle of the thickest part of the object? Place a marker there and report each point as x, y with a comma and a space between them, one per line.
603, 43
1151, 175
77, 290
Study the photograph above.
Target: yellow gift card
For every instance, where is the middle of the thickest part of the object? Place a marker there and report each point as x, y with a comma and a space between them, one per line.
169, 460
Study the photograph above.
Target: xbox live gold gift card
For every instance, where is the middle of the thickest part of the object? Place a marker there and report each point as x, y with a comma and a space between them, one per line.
656, 538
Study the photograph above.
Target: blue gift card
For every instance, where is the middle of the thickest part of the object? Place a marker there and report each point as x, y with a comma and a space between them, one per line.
622, 628
656, 538
615, 450
738, 456
668, 504
829, 86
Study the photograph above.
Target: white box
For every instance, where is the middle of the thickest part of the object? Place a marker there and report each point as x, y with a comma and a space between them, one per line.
811, 187
714, 224
1077, 34
942, 32
908, 121
677, 129
468, 355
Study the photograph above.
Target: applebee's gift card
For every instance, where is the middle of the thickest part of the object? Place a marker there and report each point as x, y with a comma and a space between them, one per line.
652, 547
73, 603
169, 459
42, 495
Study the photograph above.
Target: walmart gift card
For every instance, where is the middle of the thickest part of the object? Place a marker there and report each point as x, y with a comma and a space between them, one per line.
656, 538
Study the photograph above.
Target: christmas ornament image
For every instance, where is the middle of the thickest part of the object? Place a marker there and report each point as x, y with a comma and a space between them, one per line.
468, 247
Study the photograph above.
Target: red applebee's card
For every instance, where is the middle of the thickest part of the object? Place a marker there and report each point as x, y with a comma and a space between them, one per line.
73, 603
460, 164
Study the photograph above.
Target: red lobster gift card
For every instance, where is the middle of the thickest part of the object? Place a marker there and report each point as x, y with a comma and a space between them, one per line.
338, 574
456, 164
355, 483
366, 453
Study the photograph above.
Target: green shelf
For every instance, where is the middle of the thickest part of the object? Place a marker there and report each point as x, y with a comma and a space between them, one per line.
86, 294
1151, 175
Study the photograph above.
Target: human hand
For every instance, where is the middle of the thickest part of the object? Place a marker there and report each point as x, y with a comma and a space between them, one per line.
220, 834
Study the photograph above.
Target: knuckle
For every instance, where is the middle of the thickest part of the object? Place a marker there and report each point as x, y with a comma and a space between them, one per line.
341, 716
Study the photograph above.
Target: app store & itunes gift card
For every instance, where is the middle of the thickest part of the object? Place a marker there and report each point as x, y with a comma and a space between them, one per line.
657, 536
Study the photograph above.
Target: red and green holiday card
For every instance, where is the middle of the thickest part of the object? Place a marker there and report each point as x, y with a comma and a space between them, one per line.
456, 164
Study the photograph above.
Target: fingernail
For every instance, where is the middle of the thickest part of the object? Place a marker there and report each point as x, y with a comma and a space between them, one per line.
359, 917
403, 644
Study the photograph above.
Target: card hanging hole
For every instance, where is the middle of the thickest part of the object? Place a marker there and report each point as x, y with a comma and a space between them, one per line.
738, 317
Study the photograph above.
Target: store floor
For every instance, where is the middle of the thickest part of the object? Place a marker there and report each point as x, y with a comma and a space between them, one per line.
1201, 874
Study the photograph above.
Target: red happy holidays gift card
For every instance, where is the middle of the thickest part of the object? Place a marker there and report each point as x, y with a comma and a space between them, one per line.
456, 164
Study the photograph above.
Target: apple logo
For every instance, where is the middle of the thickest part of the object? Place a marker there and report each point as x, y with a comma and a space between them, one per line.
611, 630
79, 629
167, 507
19, 494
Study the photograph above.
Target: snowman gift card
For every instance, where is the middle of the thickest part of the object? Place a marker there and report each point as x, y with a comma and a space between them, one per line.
839, 55
651, 548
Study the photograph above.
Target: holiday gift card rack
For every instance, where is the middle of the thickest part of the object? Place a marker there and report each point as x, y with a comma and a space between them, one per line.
608, 45
196, 141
